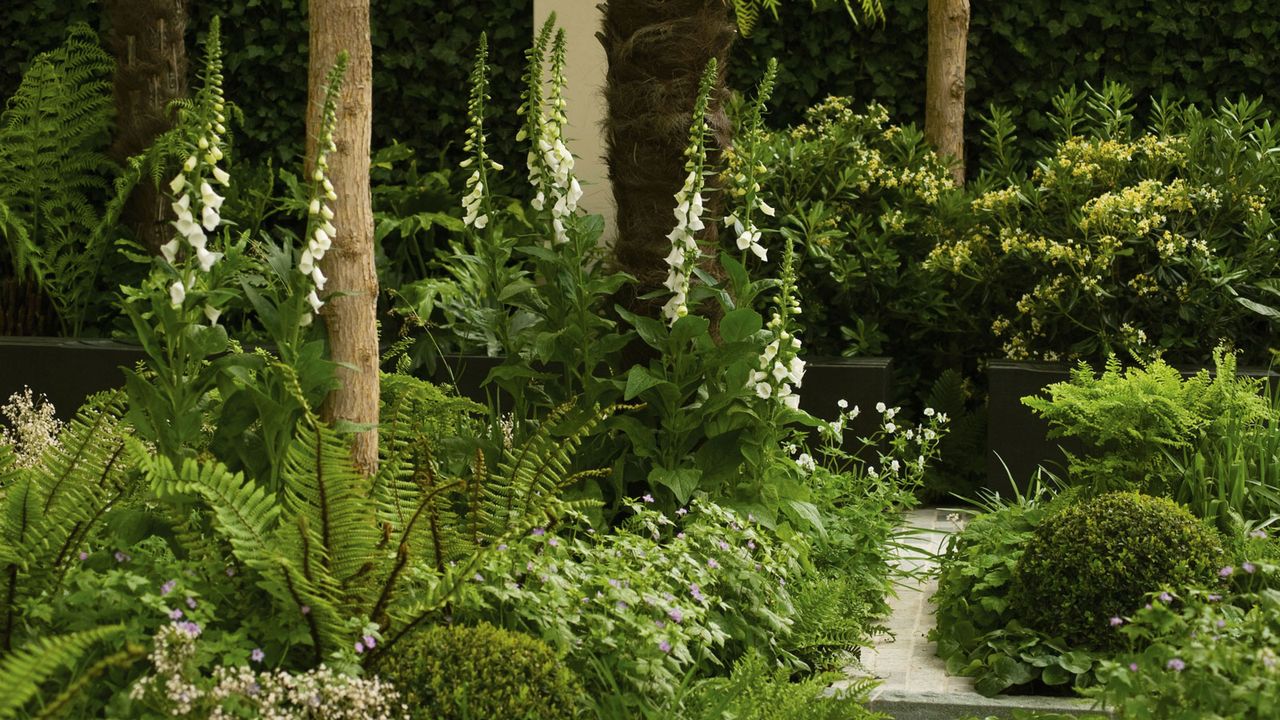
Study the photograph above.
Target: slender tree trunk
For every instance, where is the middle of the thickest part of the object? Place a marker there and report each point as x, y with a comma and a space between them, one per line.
657, 51
944, 81
147, 38
351, 312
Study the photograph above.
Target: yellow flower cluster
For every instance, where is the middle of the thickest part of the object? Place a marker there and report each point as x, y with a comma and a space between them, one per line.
996, 200
1136, 209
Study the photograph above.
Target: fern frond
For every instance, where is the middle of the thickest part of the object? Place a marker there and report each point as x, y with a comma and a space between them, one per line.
52, 137
52, 507
25, 670
322, 485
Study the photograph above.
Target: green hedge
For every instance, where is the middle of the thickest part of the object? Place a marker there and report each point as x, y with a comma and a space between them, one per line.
422, 56
1020, 54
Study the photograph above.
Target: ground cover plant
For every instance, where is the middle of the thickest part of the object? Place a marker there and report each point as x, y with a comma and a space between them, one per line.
650, 537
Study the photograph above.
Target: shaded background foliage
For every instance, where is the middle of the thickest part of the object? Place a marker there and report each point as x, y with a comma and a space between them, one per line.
1020, 54
422, 51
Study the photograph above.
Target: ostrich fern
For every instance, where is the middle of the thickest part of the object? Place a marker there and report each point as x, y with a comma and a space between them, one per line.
53, 171
747, 12
391, 549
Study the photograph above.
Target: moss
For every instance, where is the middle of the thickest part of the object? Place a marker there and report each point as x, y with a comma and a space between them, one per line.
1096, 560
467, 673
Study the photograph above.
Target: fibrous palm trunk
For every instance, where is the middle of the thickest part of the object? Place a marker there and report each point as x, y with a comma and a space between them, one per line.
657, 51
351, 312
147, 39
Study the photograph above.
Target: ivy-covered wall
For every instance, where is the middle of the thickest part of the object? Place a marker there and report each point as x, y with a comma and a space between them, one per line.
423, 51
1020, 53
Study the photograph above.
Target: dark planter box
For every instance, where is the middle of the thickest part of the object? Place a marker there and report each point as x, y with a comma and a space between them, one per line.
62, 369
1016, 435
862, 381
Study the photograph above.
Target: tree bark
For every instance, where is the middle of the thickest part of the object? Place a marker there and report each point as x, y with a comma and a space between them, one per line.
944, 81
147, 39
657, 51
351, 312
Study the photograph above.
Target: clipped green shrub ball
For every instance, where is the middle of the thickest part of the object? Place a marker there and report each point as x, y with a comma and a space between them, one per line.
463, 672
1097, 559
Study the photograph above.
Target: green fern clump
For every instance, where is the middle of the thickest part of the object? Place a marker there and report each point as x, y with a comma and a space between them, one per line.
50, 509
54, 172
460, 672
756, 689
1129, 419
24, 672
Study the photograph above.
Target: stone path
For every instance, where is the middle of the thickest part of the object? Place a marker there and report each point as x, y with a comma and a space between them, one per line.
914, 681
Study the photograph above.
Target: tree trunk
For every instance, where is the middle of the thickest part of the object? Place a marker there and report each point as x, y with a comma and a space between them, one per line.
657, 51
147, 39
944, 81
351, 312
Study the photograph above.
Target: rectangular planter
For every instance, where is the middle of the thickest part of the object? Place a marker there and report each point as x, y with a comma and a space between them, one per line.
1016, 435
64, 370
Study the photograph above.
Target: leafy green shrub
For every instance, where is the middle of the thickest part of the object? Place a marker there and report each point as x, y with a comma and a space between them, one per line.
1207, 655
447, 672
978, 633
1094, 561
1128, 420
1081, 256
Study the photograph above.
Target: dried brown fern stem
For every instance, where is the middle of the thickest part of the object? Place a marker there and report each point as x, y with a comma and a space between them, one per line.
147, 39
657, 51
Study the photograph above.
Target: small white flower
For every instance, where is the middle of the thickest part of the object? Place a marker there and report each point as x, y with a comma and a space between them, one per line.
210, 219
190, 164
318, 278
178, 182
895, 465
170, 251
928, 412
212, 313
842, 404
322, 240
177, 293
326, 212
314, 209
806, 463
316, 302
766, 209
306, 263
890, 428
764, 390
222, 176
206, 258
792, 401
880, 407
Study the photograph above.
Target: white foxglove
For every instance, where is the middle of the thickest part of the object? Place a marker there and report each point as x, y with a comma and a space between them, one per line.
177, 293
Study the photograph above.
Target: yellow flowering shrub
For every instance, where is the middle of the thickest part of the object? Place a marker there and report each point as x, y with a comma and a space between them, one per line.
1131, 241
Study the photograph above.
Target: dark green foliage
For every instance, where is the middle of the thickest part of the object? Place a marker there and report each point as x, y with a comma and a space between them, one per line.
53, 172
463, 673
420, 65
1098, 559
1019, 54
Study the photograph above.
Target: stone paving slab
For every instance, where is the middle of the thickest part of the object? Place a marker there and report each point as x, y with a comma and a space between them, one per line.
914, 684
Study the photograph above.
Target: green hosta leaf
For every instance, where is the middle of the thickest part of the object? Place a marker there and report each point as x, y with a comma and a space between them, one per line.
639, 379
1055, 675
1076, 662
682, 483
740, 324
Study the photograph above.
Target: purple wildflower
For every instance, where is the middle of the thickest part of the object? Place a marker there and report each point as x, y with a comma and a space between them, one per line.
1133, 667
696, 593
1258, 534
751, 544
305, 609
175, 614
554, 542
257, 655
613, 582
647, 498
478, 577
168, 587
369, 641
1226, 571
231, 571
1176, 665
83, 556
682, 511
539, 532
1248, 567
188, 627
359, 647
1213, 597
1221, 623
1166, 598
664, 646
659, 624
1117, 621
675, 615
622, 606
121, 556
191, 603
502, 546
723, 545
679, 536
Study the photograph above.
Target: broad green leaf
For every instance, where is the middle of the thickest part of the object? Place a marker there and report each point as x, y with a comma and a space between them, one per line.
740, 324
